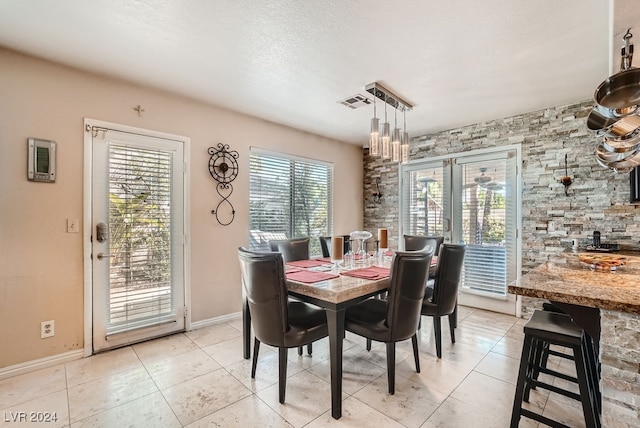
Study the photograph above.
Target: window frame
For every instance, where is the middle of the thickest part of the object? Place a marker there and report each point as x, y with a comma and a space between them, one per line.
258, 239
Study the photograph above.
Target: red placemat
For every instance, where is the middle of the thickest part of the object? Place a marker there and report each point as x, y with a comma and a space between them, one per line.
310, 276
371, 272
289, 269
308, 263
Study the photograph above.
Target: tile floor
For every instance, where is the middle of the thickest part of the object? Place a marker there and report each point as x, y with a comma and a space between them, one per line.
199, 379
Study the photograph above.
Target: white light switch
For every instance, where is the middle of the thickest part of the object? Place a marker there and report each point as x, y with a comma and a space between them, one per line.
72, 225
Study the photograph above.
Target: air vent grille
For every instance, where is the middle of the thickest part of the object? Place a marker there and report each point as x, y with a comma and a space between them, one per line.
355, 101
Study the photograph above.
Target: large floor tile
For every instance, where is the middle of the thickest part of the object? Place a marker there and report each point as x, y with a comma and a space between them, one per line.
29, 386
267, 371
455, 413
355, 414
164, 347
485, 392
180, 368
102, 365
149, 411
213, 334
411, 405
90, 398
307, 397
500, 367
356, 372
51, 411
248, 412
199, 397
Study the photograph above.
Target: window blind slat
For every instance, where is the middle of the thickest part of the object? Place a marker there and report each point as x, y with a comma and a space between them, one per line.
288, 198
139, 236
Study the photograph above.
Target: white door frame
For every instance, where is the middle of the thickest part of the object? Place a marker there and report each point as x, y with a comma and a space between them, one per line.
433, 162
87, 221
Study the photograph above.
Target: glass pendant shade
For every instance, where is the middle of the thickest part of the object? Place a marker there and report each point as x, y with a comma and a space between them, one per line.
404, 148
374, 140
395, 151
386, 140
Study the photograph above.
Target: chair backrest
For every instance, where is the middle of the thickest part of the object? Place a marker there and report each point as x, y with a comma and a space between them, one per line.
447, 281
325, 245
409, 271
418, 242
291, 249
264, 285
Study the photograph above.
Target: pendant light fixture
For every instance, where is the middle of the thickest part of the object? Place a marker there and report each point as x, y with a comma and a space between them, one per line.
404, 147
381, 142
374, 140
395, 141
386, 138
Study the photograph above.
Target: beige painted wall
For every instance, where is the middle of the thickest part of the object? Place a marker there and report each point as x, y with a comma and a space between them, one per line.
41, 265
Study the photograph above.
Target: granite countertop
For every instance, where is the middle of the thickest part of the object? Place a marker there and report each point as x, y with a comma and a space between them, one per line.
566, 279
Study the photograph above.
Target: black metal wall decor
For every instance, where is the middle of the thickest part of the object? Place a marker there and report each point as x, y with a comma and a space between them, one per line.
223, 167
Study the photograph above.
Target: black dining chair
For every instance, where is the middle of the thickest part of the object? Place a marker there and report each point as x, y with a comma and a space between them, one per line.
291, 249
325, 245
397, 317
277, 320
442, 299
418, 242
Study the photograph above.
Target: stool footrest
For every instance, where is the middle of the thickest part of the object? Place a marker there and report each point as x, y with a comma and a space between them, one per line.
558, 374
555, 389
535, 416
561, 354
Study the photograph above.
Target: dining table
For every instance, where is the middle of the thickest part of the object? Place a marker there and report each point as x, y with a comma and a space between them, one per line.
335, 294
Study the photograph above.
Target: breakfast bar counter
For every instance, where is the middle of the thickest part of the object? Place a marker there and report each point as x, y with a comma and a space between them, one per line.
606, 303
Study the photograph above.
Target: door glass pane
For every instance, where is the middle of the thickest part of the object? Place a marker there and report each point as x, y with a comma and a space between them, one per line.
139, 237
425, 206
483, 219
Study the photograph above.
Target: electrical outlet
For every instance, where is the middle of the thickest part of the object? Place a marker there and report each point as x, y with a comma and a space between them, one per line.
47, 329
72, 225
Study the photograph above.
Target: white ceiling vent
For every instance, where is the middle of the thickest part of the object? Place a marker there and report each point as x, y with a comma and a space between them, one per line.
355, 101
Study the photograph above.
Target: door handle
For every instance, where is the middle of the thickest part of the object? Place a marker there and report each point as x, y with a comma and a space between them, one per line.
104, 256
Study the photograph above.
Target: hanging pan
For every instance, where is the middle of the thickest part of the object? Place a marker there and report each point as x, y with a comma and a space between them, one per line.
621, 91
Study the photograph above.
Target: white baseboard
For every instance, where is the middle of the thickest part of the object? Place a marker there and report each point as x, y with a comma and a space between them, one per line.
214, 321
31, 366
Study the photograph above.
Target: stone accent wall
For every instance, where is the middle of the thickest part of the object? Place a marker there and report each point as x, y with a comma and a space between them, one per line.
598, 200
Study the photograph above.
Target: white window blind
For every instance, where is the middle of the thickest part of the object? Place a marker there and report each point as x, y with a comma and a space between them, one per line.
139, 237
289, 197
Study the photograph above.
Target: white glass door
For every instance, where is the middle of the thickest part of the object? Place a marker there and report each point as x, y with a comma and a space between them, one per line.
471, 199
138, 243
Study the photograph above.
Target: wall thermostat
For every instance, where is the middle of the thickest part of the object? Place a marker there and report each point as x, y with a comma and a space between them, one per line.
41, 164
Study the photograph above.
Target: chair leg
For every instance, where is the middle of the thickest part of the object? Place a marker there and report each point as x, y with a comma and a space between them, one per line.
454, 316
414, 342
300, 350
437, 328
282, 373
452, 327
391, 367
254, 363
368, 344
309, 348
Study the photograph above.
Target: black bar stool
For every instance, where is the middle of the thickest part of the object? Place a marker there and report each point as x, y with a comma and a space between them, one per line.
549, 328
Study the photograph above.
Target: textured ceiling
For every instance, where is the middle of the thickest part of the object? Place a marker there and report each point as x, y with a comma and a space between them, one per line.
458, 62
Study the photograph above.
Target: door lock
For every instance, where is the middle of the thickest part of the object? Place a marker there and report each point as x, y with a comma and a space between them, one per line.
102, 232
